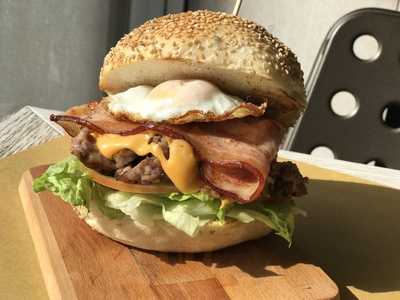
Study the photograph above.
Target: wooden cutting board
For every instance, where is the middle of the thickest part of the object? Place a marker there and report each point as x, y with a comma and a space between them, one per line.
78, 263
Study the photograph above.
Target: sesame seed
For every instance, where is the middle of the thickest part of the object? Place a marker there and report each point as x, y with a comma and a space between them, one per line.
208, 36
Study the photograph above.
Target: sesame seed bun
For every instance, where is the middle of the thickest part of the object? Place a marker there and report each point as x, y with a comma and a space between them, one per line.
237, 55
161, 236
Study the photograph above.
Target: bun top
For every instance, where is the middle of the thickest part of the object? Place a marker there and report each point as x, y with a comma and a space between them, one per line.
237, 55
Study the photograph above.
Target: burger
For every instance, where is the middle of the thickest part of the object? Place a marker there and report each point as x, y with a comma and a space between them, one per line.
181, 153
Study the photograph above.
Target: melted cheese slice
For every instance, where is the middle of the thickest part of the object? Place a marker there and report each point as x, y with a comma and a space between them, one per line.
181, 166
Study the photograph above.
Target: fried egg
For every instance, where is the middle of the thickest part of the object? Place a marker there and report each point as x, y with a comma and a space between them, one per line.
180, 101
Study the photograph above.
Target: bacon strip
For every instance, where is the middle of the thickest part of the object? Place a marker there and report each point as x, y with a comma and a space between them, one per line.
235, 155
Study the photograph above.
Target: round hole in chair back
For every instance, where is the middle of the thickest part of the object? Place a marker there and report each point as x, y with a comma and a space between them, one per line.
322, 151
391, 115
366, 47
344, 104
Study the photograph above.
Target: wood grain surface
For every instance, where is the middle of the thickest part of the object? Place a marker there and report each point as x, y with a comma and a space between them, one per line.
78, 263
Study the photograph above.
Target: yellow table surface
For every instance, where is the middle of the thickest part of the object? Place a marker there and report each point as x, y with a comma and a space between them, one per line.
352, 230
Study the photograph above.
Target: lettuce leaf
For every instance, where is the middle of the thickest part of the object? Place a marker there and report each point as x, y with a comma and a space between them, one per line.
143, 208
202, 196
100, 194
66, 180
186, 212
177, 216
279, 217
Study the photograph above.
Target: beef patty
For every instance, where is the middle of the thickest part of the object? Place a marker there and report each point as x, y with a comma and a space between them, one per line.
125, 165
284, 178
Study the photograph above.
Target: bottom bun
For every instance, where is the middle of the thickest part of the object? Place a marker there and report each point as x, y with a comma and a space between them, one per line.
161, 236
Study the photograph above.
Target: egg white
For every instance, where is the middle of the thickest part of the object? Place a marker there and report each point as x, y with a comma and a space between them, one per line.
172, 99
